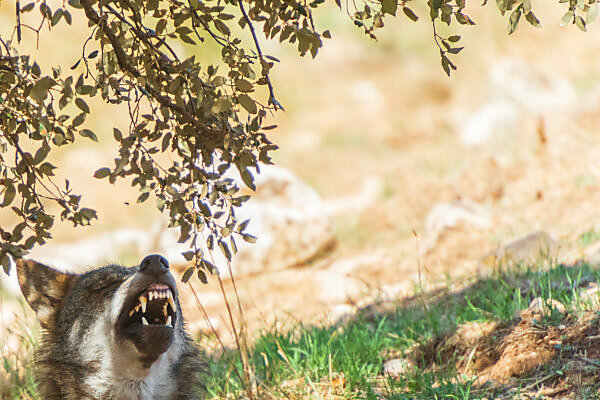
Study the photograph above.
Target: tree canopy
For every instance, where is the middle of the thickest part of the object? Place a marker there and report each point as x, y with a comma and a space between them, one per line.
209, 119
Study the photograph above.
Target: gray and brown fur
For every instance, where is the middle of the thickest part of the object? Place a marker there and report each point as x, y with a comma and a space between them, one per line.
91, 350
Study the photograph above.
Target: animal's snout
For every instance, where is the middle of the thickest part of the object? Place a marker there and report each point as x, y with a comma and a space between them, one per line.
154, 264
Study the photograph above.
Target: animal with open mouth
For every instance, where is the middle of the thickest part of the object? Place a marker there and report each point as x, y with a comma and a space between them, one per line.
111, 333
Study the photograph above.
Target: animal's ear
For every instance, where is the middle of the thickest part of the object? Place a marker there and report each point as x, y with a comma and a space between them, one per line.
44, 288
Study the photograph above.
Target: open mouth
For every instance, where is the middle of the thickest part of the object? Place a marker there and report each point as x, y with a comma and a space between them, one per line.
155, 306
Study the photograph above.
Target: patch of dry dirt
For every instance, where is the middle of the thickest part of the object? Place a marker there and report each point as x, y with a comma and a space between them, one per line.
542, 360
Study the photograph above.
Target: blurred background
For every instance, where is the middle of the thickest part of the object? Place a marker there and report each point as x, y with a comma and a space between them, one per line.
390, 175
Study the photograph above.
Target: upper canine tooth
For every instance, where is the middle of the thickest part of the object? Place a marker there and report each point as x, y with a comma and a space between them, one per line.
144, 321
143, 303
172, 304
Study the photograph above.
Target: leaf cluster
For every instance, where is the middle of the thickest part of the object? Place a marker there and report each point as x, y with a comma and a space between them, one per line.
207, 120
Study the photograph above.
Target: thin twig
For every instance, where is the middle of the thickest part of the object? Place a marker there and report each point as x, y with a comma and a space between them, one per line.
272, 99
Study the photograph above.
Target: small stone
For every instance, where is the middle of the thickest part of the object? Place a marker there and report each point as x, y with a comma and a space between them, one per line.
589, 298
396, 367
539, 307
528, 249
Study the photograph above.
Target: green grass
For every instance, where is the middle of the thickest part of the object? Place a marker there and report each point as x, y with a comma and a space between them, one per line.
359, 348
17, 379
298, 362
589, 237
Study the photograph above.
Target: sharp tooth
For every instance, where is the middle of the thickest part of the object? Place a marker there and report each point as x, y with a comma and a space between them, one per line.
169, 294
144, 321
131, 312
169, 321
143, 303
165, 309
172, 304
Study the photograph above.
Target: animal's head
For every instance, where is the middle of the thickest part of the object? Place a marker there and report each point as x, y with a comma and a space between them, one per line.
126, 319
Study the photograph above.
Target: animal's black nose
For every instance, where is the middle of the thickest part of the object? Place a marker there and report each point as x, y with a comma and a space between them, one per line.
154, 264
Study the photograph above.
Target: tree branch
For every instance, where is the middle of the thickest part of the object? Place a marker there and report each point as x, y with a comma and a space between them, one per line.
124, 64
272, 99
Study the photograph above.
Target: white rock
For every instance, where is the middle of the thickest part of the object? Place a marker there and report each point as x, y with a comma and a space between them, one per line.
492, 120
527, 249
540, 306
397, 367
341, 314
589, 298
451, 214
516, 92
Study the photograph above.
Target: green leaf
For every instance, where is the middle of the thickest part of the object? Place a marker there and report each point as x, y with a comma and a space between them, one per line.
41, 154
28, 7
389, 6
446, 65
143, 197
187, 274
515, 16
202, 276
248, 178
567, 18
532, 19
79, 102
40, 89
67, 17
5, 261
47, 169
78, 120
410, 14
247, 102
592, 13
225, 250
160, 26
242, 226
188, 255
243, 85
88, 134
9, 194
210, 267
249, 238
56, 17
102, 173
455, 50
580, 23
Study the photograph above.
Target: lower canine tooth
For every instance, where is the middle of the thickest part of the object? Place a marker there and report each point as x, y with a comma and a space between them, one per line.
144, 321
169, 321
